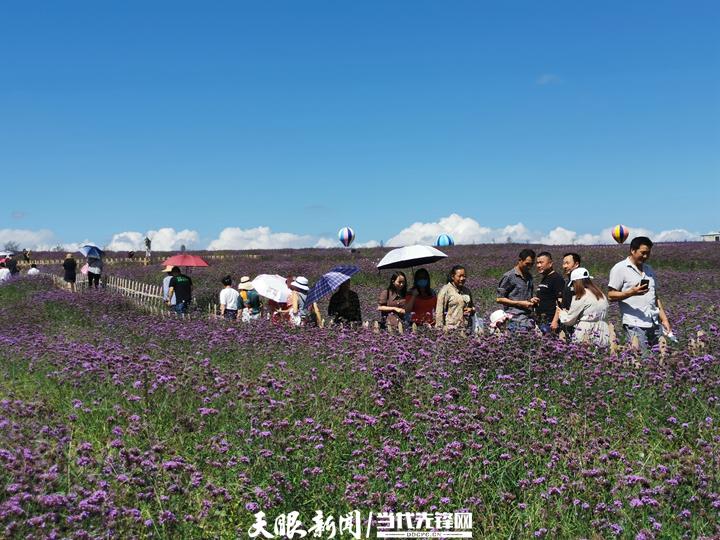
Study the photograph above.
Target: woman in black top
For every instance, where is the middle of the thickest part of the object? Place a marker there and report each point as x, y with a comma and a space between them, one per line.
70, 267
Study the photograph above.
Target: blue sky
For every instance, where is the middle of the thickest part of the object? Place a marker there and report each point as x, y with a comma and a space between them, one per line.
303, 117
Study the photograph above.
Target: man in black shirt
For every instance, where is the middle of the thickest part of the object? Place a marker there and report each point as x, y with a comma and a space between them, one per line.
570, 262
181, 287
11, 264
548, 293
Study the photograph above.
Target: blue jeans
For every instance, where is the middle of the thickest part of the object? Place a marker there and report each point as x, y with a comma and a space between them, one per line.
545, 328
520, 324
648, 337
181, 307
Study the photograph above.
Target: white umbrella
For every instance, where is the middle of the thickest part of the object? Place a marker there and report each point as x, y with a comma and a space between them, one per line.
408, 256
272, 286
5, 253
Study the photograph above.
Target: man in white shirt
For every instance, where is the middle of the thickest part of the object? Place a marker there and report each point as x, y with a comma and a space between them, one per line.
229, 299
4, 272
633, 284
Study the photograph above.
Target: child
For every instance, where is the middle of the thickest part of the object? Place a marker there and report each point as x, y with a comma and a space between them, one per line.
498, 321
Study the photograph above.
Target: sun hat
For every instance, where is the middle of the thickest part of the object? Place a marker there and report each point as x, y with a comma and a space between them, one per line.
167, 269
301, 283
68, 256
245, 284
499, 316
580, 273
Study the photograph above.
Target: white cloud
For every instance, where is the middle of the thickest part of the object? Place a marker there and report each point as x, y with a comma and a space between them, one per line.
165, 239
40, 240
327, 243
127, 241
369, 244
675, 235
335, 243
265, 238
261, 238
26, 238
466, 230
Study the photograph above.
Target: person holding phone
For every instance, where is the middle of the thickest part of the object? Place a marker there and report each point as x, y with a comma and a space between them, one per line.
632, 283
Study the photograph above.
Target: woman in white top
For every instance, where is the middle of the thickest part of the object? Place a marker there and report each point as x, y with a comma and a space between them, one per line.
95, 268
588, 310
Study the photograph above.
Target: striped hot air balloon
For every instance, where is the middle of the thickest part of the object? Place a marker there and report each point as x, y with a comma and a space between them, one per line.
620, 233
444, 240
346, 236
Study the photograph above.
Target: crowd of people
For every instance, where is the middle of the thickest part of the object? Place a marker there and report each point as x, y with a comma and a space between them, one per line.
551, 302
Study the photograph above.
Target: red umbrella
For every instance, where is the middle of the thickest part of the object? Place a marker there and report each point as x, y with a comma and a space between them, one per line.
185, 260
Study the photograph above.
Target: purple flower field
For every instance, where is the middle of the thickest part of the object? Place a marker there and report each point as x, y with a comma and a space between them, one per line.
115, 423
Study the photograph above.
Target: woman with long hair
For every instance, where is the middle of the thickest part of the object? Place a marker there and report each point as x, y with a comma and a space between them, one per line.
391, 304
421, 300
455, 306
588, 310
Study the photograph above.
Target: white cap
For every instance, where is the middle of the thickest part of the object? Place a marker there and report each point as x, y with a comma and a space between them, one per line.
580, 273
499, 316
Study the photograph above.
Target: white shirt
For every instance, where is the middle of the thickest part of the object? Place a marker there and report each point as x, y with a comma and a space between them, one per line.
588, 315
33, 271
640, 310
166, 290
229, 297
4, 274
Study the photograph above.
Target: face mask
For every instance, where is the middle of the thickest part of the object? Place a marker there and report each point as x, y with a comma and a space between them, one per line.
422, 282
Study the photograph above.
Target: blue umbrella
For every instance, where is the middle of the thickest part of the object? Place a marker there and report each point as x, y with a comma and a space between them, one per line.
347, 270
329, 282
91, 251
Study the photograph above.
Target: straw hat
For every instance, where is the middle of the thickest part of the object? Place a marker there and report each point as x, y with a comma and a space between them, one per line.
245, 284
167, 269
301, 283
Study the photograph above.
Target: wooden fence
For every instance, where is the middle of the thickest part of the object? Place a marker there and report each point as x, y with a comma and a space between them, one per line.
143, 295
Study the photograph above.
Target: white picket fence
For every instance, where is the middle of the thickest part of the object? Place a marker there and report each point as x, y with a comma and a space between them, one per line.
144, 295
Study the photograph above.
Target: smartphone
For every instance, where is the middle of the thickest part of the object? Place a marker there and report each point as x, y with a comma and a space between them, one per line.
644, 282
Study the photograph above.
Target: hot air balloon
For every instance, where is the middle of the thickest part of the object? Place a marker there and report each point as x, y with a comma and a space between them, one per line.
620, 233
444, 240
346, 236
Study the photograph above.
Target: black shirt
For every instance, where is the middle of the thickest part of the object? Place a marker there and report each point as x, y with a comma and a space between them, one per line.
549, 291
11, 265
567, 295
70, 267
182, 287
